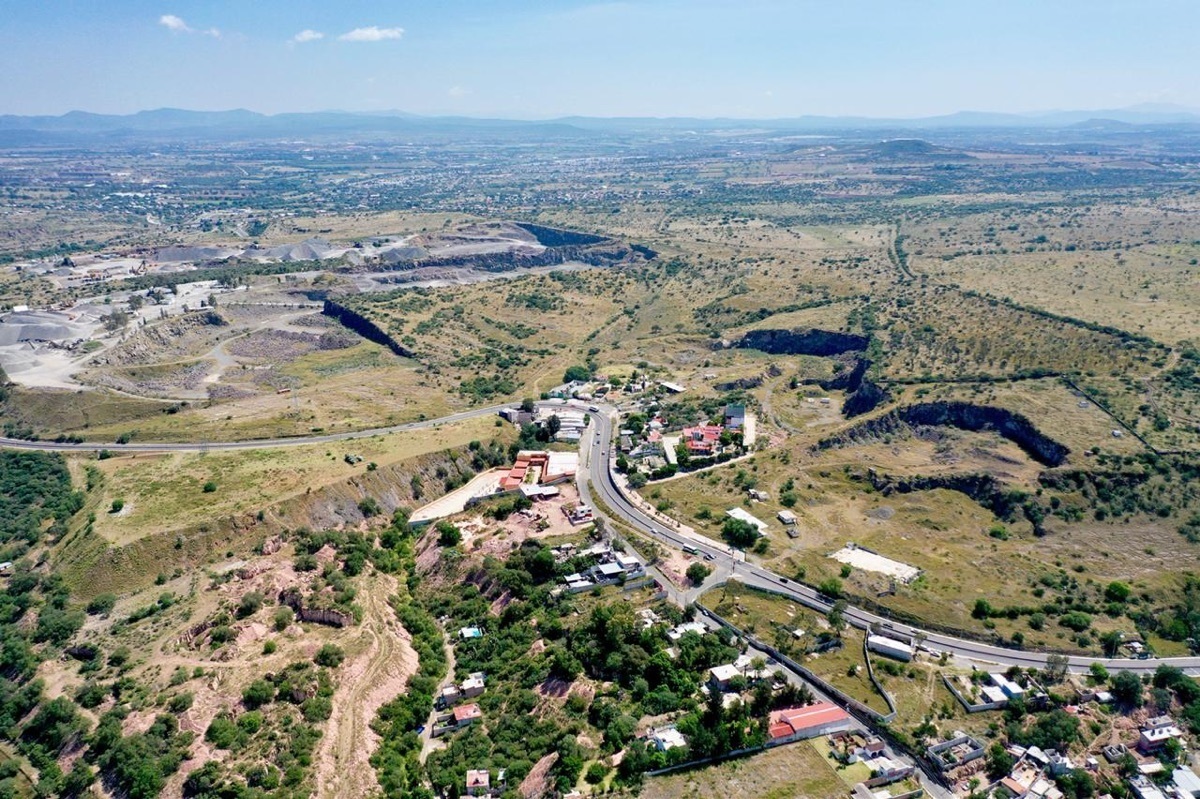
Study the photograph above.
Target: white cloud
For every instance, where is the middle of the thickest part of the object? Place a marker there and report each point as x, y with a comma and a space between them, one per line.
307, 35
177, 25
458, 91
371, 34
174, 23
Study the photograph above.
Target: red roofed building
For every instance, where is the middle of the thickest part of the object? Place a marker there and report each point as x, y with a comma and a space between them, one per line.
796, 723
542, 468
702, 440
465, 714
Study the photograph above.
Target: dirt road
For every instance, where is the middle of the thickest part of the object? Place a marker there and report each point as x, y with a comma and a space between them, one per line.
375, 675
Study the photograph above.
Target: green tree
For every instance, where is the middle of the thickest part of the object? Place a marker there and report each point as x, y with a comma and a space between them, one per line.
577, 373
697, 573
739, 533
999, 761
1127, 689
830, 587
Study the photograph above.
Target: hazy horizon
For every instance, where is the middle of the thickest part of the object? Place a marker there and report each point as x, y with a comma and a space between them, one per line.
543, 59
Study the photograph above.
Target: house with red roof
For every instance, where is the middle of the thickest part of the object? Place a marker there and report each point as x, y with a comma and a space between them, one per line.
703, 439
798, 723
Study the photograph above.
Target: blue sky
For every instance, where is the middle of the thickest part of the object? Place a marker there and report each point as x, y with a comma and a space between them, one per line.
544, 58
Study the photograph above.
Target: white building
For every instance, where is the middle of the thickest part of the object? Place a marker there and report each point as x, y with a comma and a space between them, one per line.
683, 629
667, 738
739, 513
890, 647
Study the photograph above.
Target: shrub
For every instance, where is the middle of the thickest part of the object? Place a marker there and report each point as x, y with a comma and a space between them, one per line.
448, 534
282, 618
1117, 591
221, 634
317, 708
117, 506
330, 655
269, 647
596, 773
250, 722
179, 703
222, 732
251, 603
831, 587
210, 487
739, 533
102, 604
1076, 621
369, 507
258, 693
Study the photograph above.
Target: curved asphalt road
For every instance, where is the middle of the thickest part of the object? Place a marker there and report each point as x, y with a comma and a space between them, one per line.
602, 481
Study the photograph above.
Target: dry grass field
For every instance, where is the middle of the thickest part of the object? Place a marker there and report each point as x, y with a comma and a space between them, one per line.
781, 773
165, 492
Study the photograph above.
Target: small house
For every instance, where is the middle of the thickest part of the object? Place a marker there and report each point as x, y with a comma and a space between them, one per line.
473, 686
1156, 732
466, 714
667, 738
478, 782
719, 676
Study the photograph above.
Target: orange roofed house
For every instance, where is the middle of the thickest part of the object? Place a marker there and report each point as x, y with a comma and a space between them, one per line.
540, 468
702, 440
797, 723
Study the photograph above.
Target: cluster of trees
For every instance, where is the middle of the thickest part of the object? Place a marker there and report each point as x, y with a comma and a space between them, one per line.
1074, 609
34, 486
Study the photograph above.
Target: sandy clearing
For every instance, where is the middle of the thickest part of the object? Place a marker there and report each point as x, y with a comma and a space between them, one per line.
376, 675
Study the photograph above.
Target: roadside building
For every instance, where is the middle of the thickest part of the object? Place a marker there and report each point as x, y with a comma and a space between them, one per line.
739, 513
466, 714
890, 647
683, 629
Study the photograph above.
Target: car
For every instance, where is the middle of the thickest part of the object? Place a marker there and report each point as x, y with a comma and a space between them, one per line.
709, 556
420, 729
594, 408
784, 580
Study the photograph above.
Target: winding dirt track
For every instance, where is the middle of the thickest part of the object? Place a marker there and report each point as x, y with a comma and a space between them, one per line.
372, 677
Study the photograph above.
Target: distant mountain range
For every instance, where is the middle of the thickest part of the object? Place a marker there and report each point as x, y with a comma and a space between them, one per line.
172, 122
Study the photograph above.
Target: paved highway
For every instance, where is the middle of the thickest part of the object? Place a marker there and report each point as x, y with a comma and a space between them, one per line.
603, 483
265, 443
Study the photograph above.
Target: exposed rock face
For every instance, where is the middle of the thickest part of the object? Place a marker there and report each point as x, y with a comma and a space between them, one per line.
802, 342
847, 380
1005, 503
866, 398
364, 327
963, 415
740, 383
